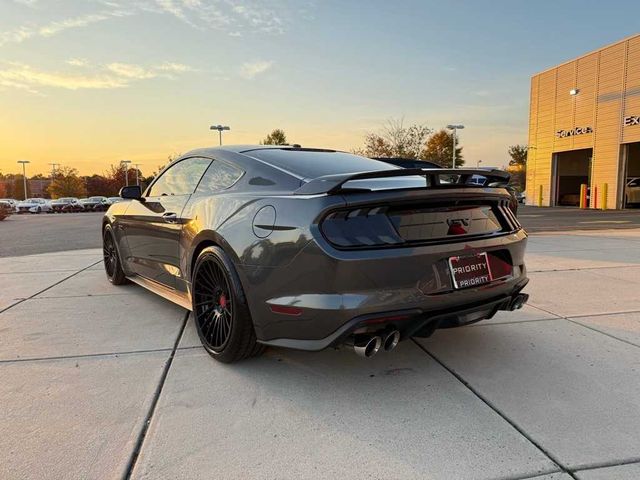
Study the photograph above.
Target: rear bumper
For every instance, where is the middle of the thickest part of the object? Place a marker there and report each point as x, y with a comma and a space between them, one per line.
334, 290
410, 323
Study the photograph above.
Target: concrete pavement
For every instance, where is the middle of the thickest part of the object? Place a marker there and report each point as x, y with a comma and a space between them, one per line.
110, 382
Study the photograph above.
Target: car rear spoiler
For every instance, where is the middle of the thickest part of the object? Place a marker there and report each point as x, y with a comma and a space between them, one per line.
331, 184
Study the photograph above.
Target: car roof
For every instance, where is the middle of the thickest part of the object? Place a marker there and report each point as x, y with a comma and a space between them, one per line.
245, 156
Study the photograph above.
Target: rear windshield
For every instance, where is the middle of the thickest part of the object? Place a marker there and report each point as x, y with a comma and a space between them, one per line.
313, 164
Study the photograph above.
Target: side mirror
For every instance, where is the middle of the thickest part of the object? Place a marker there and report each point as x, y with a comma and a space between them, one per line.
132, 192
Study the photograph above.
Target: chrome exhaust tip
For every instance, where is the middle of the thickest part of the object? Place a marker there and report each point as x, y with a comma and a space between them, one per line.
518, 302
366, 346
390, 340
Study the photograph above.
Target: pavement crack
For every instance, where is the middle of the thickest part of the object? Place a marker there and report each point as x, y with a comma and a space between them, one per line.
50, 286
154, 402
83, 355
487, 402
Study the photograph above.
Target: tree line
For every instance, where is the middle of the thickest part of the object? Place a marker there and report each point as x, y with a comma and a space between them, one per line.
419, 142
67, 182
393, 140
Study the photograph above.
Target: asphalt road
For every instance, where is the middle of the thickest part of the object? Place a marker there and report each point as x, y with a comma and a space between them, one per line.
563, 219
31, 234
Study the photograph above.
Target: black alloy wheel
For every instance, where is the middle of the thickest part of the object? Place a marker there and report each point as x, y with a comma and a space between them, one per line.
112, 266
220, 310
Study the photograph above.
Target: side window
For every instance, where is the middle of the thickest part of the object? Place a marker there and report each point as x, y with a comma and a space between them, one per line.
219, 176
181, 178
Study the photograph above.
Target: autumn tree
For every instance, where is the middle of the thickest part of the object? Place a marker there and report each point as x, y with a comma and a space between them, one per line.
98, 185
396, 140
276, 137
439, 149
67, 183
18, 188
518, 154
518, 165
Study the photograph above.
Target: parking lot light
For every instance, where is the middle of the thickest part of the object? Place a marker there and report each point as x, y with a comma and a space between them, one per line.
24, 175
137, 173
219, 128
126, 171
453, 129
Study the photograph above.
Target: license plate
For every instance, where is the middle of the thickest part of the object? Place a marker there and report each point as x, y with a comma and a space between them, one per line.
470, 270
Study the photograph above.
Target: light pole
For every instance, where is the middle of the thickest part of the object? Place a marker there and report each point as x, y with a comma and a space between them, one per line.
453, 129
126, 171
137, 173
219, 128
24, 175
53, 169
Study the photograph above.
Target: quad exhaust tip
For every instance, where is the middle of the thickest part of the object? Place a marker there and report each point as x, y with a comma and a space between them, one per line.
518, 302
390, 340
366, 345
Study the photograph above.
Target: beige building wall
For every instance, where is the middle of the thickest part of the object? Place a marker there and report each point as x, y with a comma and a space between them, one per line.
608, 84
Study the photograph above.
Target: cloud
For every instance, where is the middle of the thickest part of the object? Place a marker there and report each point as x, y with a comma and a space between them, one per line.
77, 62
172, 67
250, 70
128, 70
27, 3
113, 75
23, 76
231, 16
24, 32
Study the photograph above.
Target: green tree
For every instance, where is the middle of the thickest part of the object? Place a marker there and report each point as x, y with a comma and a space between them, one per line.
18, 188
518, 154
396, 140
439, 149
276, 137
98, 185
67, 183
518, 165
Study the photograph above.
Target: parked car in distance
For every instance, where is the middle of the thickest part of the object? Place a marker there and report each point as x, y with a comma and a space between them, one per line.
13, 204
34, 205
6, 209
313, 248
632, 191
96, 204
66, 205
112, 200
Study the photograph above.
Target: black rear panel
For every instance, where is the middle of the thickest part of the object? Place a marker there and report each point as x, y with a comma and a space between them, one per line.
418, 223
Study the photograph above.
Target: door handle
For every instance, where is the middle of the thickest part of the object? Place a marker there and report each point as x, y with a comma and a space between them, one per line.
170, 218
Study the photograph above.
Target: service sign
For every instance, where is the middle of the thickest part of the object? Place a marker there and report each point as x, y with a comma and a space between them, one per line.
573, 132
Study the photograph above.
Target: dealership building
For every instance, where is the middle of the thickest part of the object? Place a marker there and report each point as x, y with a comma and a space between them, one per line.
584, 129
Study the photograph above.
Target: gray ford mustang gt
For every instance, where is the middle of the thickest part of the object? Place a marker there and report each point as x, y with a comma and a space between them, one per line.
310, 248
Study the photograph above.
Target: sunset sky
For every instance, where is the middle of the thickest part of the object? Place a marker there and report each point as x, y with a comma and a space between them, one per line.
88, 83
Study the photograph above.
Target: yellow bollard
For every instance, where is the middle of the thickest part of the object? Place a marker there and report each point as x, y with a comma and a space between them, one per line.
605, 188
540, 196
583, 196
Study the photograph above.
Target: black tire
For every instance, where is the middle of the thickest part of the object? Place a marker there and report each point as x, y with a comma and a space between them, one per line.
220, 309
111, 259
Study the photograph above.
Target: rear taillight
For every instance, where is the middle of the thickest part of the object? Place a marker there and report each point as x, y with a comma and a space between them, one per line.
380, 226
360, 227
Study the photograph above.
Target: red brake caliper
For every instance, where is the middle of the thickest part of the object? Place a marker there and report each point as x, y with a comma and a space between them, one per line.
223, 301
